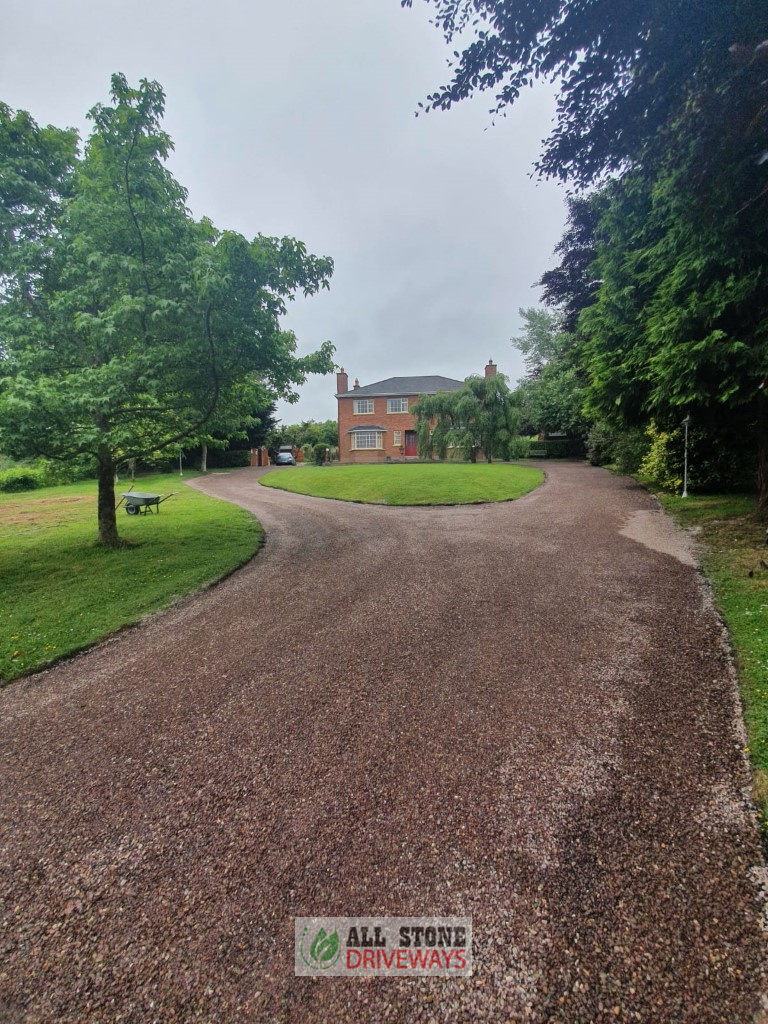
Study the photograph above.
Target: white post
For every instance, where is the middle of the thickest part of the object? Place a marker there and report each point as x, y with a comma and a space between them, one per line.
686, 421
181, 471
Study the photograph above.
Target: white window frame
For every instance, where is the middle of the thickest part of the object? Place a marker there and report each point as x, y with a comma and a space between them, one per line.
397, 438
395, 405
362, 406
377, 436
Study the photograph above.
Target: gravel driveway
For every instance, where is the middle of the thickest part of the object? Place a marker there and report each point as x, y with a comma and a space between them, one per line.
524, 712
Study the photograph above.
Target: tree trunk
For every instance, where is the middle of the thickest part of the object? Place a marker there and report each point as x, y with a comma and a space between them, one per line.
762, 456
107, 517
203, 457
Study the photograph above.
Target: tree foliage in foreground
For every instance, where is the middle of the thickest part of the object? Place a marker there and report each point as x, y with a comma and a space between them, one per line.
625, 70
127, 326
680, 325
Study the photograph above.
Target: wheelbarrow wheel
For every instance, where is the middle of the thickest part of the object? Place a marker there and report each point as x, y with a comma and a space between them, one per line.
132, 510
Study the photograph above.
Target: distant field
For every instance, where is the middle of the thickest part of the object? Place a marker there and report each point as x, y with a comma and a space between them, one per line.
410, 484
62, 592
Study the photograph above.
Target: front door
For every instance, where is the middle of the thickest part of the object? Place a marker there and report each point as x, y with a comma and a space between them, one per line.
411, 444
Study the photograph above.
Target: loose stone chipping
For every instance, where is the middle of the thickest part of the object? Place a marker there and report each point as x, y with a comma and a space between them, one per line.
516, 712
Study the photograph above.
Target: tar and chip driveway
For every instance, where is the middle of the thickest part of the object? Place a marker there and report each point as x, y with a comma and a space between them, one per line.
516, 712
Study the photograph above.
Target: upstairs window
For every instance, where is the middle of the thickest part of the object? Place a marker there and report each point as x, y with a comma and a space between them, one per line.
397, 405
362, 405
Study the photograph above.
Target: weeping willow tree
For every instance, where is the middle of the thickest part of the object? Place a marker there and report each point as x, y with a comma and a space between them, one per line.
482, 416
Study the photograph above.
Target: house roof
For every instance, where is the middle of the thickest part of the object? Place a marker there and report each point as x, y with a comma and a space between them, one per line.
394, 386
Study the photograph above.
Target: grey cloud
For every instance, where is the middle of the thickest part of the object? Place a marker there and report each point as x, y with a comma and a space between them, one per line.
297, 118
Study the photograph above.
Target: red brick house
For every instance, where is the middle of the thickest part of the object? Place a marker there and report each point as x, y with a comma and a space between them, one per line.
375, 421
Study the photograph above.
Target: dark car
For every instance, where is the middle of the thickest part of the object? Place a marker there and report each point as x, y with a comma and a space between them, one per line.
285, 456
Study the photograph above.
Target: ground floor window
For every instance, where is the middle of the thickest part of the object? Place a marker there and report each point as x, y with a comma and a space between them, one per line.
367, 439
397, 438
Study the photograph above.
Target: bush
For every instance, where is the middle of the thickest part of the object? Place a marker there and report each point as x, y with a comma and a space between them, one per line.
629, 448
715, 468
12, 480
315, 452
318, 453
232, 458
599, 445
718, 461
663, 462
518, 448
164, 461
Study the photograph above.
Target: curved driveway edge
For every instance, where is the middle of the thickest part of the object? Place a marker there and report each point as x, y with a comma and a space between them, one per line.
522, 712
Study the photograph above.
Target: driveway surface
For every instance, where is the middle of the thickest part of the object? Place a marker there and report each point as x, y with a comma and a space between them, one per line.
524, 712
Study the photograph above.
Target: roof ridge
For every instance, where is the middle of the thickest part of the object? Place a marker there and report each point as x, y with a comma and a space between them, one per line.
405, 385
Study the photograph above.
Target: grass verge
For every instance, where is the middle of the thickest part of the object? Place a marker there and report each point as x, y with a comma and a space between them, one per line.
733, 544
63, 592
410, 483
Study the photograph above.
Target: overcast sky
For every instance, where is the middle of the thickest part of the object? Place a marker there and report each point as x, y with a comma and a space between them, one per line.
296, 117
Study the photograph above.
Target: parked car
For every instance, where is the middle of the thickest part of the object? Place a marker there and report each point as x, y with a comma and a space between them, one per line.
285, 456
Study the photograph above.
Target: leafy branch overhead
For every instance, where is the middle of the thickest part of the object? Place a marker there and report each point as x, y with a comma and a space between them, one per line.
128, 326
624, 69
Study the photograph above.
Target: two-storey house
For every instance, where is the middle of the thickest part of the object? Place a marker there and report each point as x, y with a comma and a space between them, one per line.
376, 423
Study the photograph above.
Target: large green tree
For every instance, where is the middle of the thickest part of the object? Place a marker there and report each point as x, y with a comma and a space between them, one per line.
672, 100
571, 286
551, 395
308, 432
126, 325
680, 325
481, 416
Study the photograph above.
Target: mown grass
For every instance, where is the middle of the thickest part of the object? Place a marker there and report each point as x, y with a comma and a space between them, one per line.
61, 591
410, 483
733, 544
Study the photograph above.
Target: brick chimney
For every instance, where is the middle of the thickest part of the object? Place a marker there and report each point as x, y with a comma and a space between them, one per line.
342, 382
490, 370
357, 384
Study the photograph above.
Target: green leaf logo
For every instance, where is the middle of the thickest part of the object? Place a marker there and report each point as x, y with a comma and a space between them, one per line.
324, 951
324, 948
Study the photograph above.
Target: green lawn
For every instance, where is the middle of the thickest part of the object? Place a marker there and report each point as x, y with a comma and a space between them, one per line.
410, 484
733, 544
61, 591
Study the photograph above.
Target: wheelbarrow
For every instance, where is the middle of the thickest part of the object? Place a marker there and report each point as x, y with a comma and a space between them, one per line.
140, 503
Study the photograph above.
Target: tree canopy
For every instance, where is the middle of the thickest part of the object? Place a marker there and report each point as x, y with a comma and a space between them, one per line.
126, 325
308, 432
662, 276
624, 69
479, 417
551, 395
571, 286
